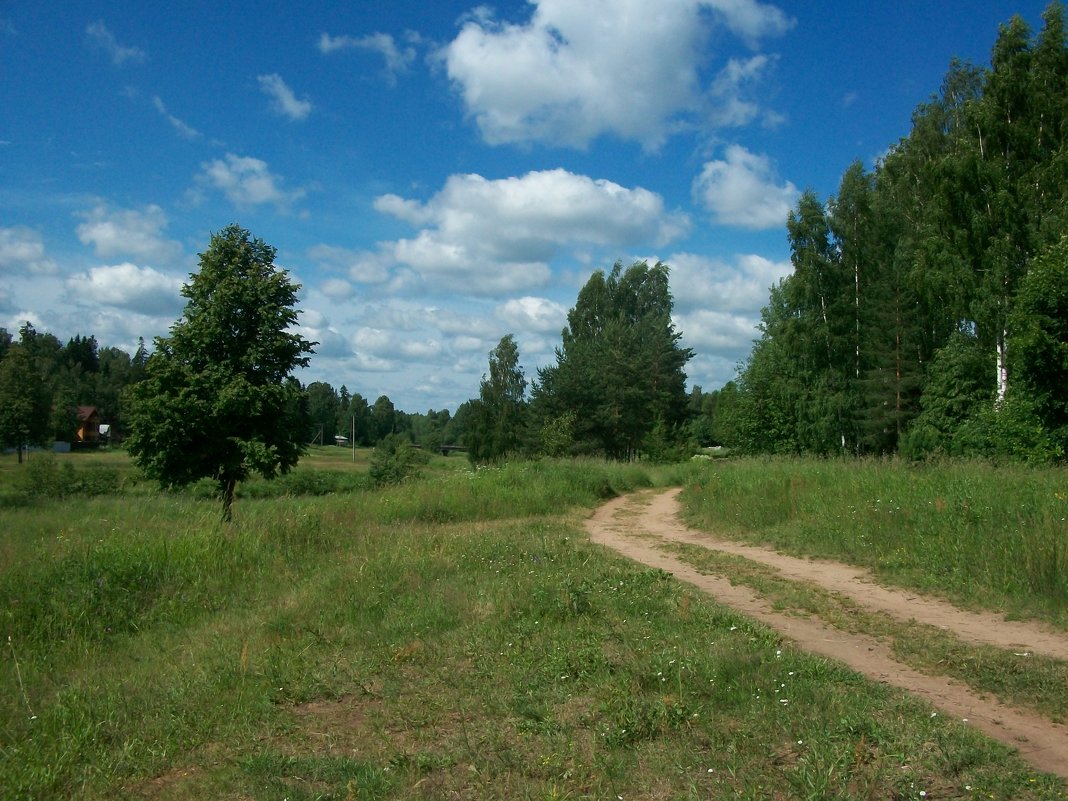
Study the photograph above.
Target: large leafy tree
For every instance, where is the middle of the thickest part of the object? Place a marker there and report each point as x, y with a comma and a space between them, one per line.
619, 373
218, 400
383, 419
323, 404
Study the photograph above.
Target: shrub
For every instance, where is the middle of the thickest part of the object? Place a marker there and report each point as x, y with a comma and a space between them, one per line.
394, 460
46, 478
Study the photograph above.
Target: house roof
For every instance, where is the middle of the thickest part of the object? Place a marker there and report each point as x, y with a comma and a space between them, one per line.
87, 412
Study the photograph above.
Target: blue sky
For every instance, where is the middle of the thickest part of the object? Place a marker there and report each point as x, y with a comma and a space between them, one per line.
439, 174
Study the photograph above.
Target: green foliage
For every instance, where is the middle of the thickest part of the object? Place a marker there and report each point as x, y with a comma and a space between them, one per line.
395, 460
218, 400
958, 389
498, 419
557, 434
323, 412
44, 477
383, 419
620, 368
354, 418
862, 344
1011, 429
1039, 354
24, 404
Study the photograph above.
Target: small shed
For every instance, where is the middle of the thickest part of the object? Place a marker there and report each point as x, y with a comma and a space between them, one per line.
88, 424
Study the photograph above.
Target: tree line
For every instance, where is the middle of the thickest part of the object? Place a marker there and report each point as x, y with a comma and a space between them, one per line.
927, 311
43, 380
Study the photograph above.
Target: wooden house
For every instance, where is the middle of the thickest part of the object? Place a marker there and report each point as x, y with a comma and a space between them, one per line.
88, 424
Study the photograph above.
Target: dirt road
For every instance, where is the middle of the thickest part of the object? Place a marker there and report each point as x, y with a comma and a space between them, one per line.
638, 525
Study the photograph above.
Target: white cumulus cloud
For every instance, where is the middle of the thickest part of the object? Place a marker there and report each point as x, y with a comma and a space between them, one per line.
576, 71
490, 236
22, 249
246, 181
398, 58
752, 20
743, 286
127, 286
183, 129
103, 39
743, 190
336, 288
136, 233
283, 101
362, 266
718, 333
533, 314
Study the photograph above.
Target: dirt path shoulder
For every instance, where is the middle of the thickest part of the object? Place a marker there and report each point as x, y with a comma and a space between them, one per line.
636, 525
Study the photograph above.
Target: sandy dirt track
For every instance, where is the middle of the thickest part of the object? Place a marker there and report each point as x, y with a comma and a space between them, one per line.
635, 525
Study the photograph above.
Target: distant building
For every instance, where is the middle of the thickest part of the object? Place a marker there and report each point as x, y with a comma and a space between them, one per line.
88, 425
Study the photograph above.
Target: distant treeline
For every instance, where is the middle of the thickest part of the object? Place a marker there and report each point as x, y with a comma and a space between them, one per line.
43, 381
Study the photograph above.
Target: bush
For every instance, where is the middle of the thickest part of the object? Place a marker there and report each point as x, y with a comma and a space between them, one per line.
44, 477
395, 459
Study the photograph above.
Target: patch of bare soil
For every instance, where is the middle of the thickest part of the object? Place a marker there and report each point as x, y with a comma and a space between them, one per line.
633, 526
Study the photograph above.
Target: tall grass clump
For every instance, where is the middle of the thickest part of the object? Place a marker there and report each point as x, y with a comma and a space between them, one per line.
980, 534
46, 477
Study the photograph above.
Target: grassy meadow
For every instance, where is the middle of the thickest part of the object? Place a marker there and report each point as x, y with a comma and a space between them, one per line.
982, 536
458, 637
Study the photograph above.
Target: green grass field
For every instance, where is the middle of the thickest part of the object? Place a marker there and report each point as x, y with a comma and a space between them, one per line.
980, 536
458, 637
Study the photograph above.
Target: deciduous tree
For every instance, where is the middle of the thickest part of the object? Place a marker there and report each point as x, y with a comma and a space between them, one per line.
24, 403
498, 417
619, 371
218, 399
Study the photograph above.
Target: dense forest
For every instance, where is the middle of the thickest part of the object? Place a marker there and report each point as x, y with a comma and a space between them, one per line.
927, 313
928, 307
